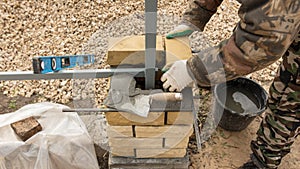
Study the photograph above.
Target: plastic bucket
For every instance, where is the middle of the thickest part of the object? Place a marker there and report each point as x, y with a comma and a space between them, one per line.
239, 101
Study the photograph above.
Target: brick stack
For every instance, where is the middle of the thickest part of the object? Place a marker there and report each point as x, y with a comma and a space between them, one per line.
162, 134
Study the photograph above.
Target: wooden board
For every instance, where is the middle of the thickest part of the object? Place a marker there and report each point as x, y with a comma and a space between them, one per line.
180, 118
130, 51
176, 142
122, 151
177, 49
128, 119
160, 153
167, 131
119, 131
136, 143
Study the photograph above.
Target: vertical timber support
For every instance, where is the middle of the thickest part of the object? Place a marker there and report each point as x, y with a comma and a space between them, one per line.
150, 28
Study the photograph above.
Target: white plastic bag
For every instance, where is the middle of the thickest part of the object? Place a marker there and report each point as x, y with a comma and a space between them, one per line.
63, 143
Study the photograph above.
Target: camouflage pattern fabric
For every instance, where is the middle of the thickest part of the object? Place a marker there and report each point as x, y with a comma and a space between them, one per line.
199, 12
267, 31
281, 125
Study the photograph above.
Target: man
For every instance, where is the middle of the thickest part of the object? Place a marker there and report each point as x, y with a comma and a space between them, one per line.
267, 31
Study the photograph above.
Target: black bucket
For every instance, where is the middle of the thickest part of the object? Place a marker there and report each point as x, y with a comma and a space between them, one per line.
239, 101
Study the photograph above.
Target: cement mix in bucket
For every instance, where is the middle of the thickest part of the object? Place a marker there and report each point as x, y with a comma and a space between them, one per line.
241, 101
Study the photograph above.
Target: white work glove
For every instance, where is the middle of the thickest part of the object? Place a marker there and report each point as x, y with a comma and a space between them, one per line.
177, 77
179, 31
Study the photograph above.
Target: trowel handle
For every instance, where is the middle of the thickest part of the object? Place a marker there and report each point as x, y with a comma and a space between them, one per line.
166, 96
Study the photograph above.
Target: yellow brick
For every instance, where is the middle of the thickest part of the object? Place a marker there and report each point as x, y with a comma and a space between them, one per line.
122, 151
176, 142
177, 49
127, 119
163, 131
119, 131
136, 142
131, 50
180, 118
160, 153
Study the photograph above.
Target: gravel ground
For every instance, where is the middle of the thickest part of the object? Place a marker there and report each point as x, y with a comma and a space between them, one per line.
31, 28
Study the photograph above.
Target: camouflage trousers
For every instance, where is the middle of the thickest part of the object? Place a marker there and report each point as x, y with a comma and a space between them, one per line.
281, 124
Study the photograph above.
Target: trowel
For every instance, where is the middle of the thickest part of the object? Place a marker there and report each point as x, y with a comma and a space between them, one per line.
124, 96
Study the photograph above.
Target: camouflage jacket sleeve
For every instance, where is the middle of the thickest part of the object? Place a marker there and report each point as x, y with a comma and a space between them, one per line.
263, 34
200, 11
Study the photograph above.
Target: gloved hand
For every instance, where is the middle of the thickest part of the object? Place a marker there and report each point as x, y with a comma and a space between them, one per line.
179, 31
177, 77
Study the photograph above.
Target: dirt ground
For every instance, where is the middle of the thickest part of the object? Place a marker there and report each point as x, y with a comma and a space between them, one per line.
11, 104
229, 150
